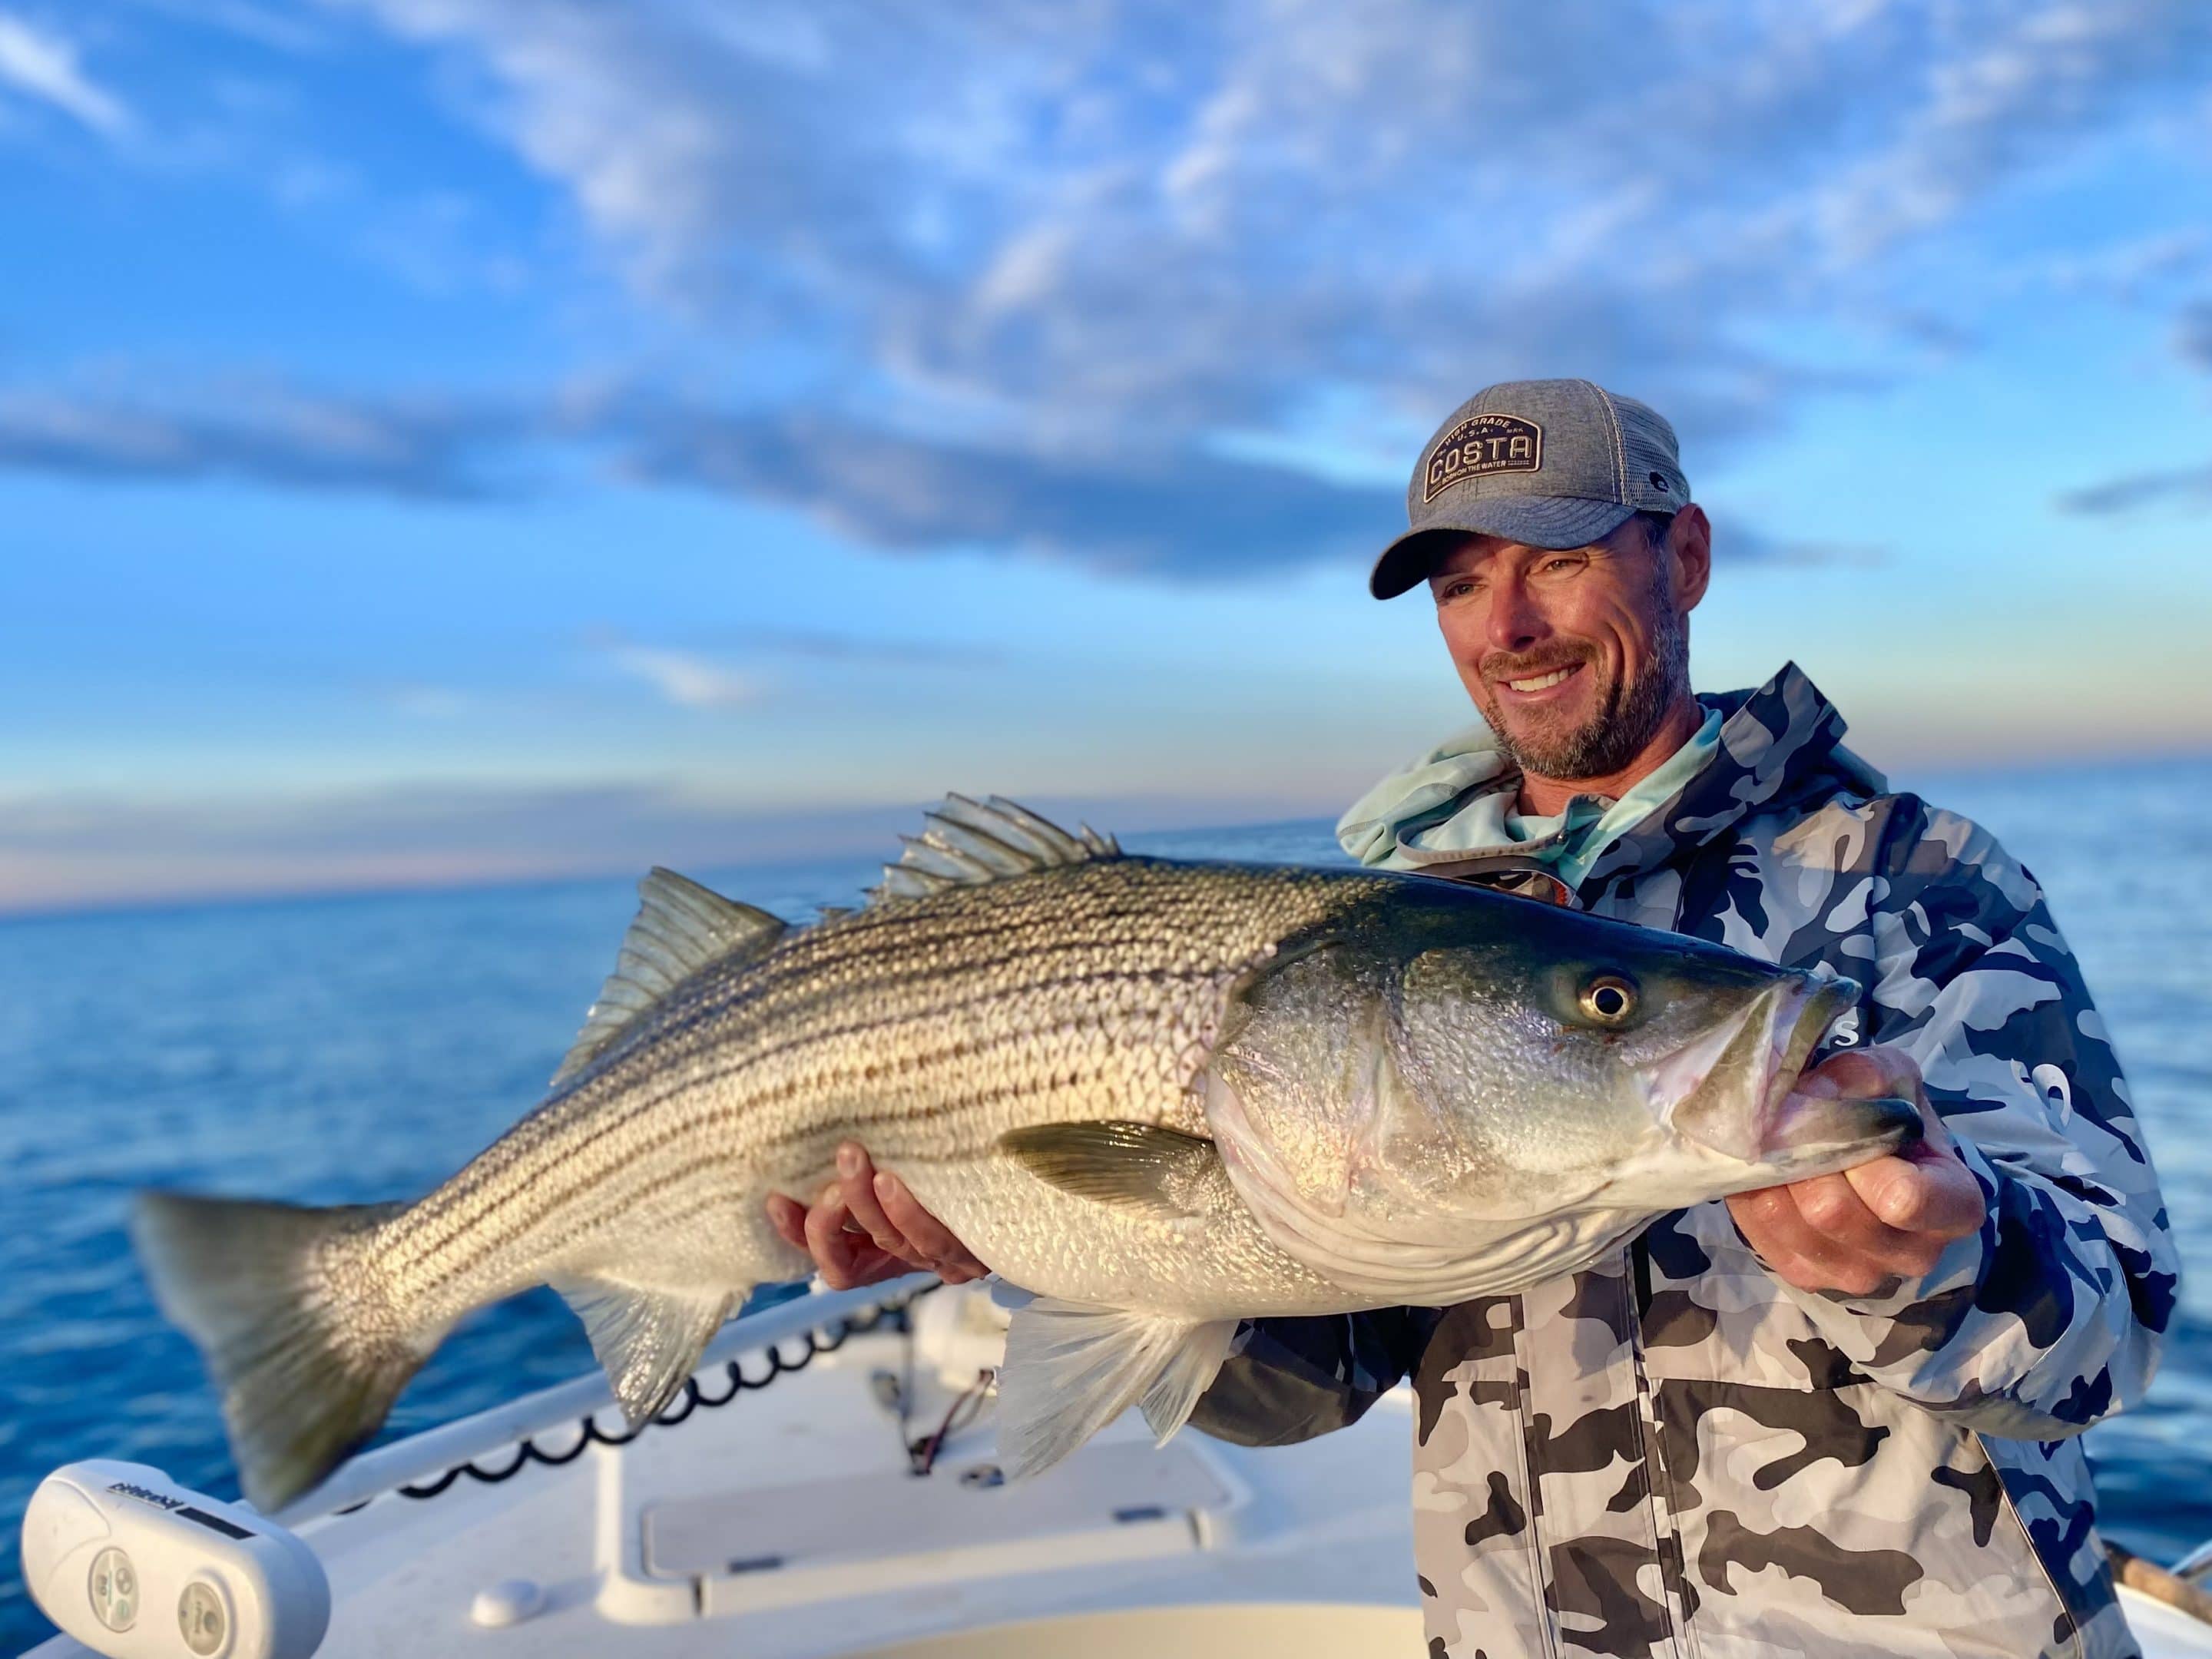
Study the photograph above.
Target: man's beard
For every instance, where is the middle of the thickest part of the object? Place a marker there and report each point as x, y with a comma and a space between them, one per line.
1626, 719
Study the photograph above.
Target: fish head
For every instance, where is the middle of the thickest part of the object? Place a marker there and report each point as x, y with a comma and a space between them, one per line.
1577, 1060
1461, 1068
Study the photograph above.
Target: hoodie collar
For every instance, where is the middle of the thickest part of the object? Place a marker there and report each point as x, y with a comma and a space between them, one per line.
1774, 741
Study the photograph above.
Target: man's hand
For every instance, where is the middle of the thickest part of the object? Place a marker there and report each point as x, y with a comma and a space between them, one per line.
866, 1227
1859, 1232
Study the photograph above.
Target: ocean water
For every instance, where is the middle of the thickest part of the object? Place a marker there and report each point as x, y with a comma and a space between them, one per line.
351, 1049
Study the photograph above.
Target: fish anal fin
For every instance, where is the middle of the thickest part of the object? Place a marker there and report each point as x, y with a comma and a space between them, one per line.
1072, 1368
1136, 1165
680, 927
648, 1341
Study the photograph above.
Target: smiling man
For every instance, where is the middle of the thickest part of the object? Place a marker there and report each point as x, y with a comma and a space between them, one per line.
1838, 1418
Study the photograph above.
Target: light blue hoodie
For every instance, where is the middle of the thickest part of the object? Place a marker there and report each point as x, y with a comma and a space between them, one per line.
1458, 801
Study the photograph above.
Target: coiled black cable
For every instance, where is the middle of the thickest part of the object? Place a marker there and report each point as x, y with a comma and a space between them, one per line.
528, 1451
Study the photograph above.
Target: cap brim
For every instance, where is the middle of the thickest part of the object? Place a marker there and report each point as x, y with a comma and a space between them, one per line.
1531, 520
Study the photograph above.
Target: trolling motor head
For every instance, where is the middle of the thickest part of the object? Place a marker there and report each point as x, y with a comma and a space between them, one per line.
135, 1566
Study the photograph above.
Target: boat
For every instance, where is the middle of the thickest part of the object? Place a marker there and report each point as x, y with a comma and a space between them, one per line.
823, 1485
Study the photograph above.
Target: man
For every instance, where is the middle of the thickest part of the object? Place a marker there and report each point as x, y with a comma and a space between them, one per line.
1836, 1418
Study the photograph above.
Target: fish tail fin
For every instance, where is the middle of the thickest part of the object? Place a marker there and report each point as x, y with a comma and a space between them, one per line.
1072, 1368
308, 1358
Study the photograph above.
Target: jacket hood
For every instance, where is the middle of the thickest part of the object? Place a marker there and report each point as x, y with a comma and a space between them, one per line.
1778, 743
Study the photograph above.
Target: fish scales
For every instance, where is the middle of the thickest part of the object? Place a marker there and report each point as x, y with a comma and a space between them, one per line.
929, 1027
1165, 1095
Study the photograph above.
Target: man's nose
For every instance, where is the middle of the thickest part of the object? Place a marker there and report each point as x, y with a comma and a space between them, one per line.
1516, 621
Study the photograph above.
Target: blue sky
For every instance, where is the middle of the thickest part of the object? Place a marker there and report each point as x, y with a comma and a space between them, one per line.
443, 439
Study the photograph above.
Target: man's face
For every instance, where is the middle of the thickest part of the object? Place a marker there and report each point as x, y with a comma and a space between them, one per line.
1575, 657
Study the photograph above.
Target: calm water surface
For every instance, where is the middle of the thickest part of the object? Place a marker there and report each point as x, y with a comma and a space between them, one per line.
343, 1050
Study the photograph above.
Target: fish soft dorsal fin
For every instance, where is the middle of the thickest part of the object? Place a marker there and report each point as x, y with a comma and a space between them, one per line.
679, 928
968, 842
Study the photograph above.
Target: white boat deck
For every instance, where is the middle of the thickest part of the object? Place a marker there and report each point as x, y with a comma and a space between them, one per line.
788, 1524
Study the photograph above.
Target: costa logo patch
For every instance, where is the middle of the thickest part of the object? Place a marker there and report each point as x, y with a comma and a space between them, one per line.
1483, 444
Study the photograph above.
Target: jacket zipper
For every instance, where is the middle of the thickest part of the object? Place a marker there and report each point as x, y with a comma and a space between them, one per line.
2027, 1539
1660, 1486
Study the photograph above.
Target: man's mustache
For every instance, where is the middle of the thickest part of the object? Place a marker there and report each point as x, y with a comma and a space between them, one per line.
1504, 666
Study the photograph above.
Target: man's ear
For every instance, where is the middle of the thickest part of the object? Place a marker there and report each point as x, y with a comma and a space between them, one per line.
1690, 544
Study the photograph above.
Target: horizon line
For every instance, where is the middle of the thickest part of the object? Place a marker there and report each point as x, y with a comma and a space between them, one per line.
855, 833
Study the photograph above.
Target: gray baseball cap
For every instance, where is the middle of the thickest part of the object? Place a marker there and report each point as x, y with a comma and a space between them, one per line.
1544, 462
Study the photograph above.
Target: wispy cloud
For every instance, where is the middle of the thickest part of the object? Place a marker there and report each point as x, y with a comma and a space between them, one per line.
43, 65
1162, 514
1143, 510
64, 851
687, 678
435, 446
285, 30
2186, 485
420, 700
2136, 268
1735, 541
996, 216
2192, 335
818, 645
61, 850
1040, 301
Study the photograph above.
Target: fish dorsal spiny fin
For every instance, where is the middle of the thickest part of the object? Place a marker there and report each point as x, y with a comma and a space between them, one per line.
679, 928
967, 842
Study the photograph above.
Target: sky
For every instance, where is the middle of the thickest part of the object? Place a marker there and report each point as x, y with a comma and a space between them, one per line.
451, 439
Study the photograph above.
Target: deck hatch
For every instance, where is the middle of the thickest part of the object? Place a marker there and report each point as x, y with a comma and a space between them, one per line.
1103, 1488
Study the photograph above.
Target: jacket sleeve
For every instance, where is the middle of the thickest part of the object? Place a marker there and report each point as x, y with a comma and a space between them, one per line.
2052, 1314
1289, 1379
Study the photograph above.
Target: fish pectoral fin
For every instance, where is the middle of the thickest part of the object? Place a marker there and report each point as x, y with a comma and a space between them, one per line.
648, 1341
1137, 1165
1072, 1368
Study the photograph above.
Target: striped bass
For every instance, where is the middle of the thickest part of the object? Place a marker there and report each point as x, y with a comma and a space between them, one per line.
1162, 1096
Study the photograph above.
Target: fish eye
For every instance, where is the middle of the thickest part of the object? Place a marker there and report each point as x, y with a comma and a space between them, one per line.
1608, 999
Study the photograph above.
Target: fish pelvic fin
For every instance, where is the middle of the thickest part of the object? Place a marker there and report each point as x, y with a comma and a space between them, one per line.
680, 927
308, 1359
1071, 1369
648, 1341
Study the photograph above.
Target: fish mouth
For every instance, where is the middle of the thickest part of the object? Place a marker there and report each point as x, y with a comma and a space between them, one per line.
1729, 1089
1835, 1130
1820, 1006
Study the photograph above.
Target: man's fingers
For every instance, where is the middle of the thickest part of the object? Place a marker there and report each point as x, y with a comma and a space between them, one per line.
868, 1226
1834, 1208
1772, 1223
953, 1260
856, 1180
838, 1254
1937, 1196
1857, 1232
789, 1216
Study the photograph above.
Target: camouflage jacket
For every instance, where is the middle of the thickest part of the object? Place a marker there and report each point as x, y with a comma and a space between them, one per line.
1674, 1453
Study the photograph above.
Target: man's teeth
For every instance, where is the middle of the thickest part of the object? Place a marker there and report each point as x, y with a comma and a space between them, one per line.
1541, 680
